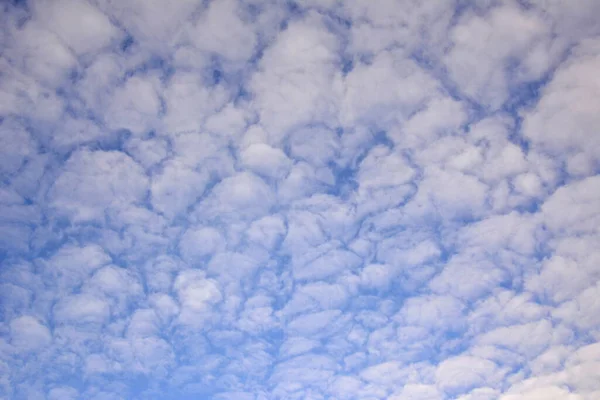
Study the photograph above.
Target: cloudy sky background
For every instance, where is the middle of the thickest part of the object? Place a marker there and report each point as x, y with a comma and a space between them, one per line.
259, 200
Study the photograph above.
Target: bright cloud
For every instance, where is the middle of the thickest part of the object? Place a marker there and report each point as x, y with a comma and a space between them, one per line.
314, 199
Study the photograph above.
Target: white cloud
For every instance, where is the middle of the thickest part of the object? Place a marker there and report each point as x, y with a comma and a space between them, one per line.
265, 160
450, 194
221, 31
388, 374
309, 324
176, 188
63, 392
316, 296
481, 394
134, 106
463, 373
436, 312
580, 198
200, 242
242, 196
45, 57
560, 279
372, 179
234, 266
377, 276
468, 276
119, 285
302, 200
16, 146
28, 334
72, 265
297, 345
150, 355
484, 46
418, 392
151, 23
528, 339
345, 387
196, 296
512, 231
267, 231
148, 152
550, 393
298, 81
441, 116
330, 263
581, 311
188, 102
316, 146
82, 309
304, 181
409, 25
312, 370
79, 24
94, 181
390, 88
505, 308
562, 124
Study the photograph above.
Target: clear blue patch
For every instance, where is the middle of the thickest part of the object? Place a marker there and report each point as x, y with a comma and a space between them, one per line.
126, 43
381, 138
293, 8
345, 182
347, 66
20, 3
217, 76
153, 63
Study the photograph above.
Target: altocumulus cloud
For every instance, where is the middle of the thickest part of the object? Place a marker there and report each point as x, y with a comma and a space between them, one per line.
310, 199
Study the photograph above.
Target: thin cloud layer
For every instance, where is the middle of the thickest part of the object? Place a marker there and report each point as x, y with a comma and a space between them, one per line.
300, 200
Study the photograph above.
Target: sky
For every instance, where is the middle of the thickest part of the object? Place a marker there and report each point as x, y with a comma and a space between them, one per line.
319, 199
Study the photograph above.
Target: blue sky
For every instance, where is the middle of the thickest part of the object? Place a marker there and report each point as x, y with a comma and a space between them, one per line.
259, 200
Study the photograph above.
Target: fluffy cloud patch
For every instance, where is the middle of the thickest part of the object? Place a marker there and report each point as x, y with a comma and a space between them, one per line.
299, 200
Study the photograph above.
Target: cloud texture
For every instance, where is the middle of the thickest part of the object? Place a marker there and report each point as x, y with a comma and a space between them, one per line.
317, 199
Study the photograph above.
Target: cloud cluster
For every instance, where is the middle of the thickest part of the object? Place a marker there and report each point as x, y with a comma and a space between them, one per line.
317, 199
